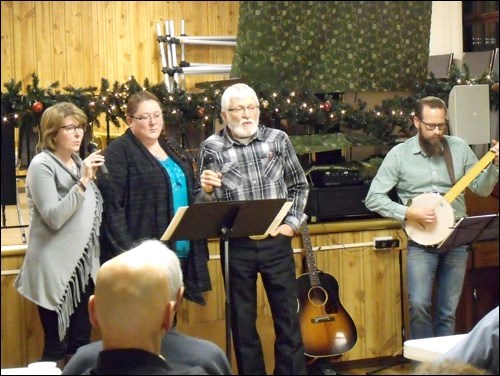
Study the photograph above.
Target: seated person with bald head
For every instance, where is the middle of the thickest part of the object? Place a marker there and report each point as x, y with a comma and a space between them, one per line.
134, 304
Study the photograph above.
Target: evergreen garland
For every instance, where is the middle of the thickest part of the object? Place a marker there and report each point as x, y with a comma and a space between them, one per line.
283, 108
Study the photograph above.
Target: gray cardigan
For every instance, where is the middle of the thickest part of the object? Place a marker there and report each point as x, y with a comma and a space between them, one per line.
63, 247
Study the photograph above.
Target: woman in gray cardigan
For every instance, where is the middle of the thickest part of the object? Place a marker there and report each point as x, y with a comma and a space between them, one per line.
62, 257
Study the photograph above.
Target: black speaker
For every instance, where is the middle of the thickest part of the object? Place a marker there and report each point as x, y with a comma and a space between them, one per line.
341, 202
8, 176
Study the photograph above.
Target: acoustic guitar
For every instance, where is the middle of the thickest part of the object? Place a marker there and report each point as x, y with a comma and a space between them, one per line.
326, 327
435, 233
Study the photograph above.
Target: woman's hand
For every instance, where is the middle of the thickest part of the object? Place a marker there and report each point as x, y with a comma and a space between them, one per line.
90, 166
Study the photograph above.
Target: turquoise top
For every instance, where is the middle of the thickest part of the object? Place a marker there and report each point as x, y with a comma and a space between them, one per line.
179, 198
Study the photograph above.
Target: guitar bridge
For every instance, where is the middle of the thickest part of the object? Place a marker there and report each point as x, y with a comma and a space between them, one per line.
320, 319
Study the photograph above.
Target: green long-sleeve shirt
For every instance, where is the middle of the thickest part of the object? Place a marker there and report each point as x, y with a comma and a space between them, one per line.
407, 168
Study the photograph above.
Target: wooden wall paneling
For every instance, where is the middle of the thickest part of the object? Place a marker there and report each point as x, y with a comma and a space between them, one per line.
126, 45
196, 25
8, 40
221, 16
78, 43
142, 53
369, 290
74, 36
60, 72
382, 300
22, 336
111, 68
98, 57
352, 280
12, 318
218, 294
24, 36
43, 38
86, 34
158, 12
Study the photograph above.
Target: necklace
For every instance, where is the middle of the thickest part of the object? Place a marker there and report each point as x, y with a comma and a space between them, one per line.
160, 158
74, 168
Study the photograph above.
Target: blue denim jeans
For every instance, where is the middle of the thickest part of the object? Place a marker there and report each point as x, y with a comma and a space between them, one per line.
447, 267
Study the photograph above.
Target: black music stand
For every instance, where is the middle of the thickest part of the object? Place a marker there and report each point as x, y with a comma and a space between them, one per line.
226, 219
472, 230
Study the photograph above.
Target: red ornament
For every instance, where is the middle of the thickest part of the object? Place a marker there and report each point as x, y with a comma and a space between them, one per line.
326, 106
37, 107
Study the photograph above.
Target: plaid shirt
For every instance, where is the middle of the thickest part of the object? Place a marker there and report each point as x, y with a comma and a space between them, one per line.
266, 168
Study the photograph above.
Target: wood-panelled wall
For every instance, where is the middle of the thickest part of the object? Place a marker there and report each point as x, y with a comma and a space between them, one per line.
79, 43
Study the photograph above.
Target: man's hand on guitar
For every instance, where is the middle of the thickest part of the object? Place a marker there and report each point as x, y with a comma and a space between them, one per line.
422, 215
494, 149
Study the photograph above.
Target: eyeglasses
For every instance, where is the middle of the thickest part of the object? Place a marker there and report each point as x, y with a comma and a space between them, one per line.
431, 127
240, 109
148, 117
71, 129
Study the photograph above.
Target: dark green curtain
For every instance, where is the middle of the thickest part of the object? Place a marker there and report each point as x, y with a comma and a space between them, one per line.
333, 46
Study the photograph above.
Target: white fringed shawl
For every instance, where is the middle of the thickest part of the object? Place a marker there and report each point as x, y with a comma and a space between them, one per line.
63, 247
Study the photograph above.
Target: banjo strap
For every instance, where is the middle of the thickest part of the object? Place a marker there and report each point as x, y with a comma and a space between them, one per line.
448, 160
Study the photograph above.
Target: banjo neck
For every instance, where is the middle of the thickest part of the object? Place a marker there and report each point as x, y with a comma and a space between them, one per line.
465, 180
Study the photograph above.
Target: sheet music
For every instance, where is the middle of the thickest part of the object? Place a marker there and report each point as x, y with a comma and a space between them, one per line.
174, 222
452, 230
279, 217
473, 229
244, 218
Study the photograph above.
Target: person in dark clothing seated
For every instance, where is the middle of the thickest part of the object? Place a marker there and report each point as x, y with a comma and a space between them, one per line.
136, 296
178, 349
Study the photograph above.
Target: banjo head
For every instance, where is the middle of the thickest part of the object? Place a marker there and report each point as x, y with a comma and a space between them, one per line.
438, 231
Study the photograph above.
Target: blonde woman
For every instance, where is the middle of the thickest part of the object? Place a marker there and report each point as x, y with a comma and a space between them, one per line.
62, 257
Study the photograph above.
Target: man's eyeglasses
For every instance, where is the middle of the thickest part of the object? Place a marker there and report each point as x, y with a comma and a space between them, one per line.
431, 127
148, 117
71, 129
240, 109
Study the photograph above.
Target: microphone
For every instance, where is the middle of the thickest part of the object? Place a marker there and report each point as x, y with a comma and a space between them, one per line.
92, 147
210, 165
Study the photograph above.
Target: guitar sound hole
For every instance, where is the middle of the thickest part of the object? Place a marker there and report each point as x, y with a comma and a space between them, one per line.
317, 296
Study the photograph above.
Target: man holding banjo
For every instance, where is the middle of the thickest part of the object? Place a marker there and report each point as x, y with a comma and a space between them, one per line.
423, 170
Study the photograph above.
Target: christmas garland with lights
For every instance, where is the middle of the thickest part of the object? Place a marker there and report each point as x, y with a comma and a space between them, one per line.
291, 110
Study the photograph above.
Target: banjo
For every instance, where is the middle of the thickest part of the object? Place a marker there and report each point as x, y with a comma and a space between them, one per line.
435, 233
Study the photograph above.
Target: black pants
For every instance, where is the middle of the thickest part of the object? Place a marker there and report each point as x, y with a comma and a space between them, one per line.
273, 259
77, 335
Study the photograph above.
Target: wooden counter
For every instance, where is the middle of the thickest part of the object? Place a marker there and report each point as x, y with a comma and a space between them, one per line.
369, 290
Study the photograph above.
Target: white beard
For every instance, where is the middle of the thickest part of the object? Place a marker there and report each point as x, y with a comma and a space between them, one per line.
243, 131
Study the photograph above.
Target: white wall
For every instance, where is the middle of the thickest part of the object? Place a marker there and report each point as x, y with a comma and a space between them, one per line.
446, 29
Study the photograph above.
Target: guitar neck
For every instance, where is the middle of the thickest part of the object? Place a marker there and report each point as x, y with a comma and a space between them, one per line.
311, 261
463, 183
